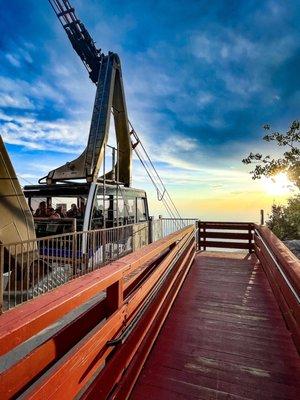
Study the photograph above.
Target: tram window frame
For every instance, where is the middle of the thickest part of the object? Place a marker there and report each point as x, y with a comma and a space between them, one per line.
130, 205
36, 200
141, 200
99, 206
120, 211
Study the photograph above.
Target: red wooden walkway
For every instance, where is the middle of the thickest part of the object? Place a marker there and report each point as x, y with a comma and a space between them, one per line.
225, 337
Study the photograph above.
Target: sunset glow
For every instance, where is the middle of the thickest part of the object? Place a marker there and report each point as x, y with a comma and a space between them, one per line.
278, 184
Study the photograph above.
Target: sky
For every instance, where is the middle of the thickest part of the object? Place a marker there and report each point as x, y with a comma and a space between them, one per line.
201, 78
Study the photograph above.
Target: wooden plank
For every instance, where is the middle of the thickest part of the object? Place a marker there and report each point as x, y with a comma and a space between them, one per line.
70, 374
282, 293
226, 245
145, 288
114, 296
288, 261
226, 225
279, 279
27, 369
20, 323
77, 367
138, 345
226, 235
229, 353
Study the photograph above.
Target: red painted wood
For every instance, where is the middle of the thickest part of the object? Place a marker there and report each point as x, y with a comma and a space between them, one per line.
287, 259
290, 266
128, 359
227, 235
226, 245
242, 226
21, 323
224, 338
27, 369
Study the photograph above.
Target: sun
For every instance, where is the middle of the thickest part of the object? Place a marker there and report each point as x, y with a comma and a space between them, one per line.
278, 184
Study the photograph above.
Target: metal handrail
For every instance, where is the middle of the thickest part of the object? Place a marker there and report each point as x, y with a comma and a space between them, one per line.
33, 267
63, 235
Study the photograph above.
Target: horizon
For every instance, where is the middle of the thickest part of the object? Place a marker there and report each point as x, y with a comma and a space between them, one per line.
200, 82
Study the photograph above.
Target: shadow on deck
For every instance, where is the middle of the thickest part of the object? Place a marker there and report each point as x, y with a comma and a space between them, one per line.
225, 337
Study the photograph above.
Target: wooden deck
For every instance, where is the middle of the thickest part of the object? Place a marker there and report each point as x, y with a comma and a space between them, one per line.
225, 338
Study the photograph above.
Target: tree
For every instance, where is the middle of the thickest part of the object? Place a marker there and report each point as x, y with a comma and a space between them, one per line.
289, 162
284, 221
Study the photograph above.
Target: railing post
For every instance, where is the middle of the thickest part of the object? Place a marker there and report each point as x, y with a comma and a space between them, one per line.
250, 226
114, 296
150, 230
262, 217
1, 277
198, 234
94, 249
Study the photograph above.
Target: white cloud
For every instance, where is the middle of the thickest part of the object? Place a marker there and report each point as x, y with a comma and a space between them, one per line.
60, 136
203, 99
13, 60
227, 46
251, 59
20, 94
17, 101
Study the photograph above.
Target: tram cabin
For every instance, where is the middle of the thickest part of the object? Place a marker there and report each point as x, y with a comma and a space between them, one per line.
97, 206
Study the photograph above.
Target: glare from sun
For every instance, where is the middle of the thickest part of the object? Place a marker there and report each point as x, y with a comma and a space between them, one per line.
278, 184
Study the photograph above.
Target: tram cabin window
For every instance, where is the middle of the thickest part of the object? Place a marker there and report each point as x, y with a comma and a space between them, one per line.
100, 213
35, 202
141, 214
130, 210
44, 223
119, 211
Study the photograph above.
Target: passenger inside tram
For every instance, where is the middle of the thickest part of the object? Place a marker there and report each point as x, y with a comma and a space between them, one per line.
74, 212
52, 214
41, 211
59, 210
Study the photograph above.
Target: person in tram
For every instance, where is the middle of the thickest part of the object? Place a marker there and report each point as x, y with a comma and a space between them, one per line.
98, 218
59, 210
52, 214
74, 212
41, 211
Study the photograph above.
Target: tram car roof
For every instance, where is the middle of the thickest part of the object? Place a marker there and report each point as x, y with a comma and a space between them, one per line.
77, 189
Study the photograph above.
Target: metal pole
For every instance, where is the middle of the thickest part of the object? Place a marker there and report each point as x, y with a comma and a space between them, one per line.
262, 217
113, 164
1, 277
104, 190
198, 235
150, 230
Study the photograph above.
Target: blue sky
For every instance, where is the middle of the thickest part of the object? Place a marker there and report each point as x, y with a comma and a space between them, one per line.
201, 78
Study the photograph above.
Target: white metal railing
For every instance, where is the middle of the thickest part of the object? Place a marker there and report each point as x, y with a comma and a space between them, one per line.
166, 226
33, 267
30, 268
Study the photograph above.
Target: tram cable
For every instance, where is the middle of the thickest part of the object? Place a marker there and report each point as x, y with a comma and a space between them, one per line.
163, 194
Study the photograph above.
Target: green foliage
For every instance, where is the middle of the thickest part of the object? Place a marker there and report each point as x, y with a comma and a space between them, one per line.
284, 221
290, 161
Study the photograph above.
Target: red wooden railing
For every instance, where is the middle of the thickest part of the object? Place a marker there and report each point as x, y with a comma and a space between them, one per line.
282, 268
100, 353
104, 348
213, 234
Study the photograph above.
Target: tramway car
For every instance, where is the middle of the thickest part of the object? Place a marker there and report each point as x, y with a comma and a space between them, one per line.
100, 206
